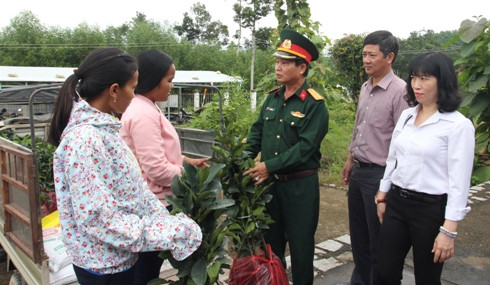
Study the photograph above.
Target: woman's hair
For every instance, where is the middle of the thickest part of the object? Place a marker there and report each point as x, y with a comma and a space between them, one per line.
385, 40
153, 66
99, 70
440, 66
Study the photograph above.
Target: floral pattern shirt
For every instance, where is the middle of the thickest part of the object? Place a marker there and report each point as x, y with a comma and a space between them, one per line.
107, 213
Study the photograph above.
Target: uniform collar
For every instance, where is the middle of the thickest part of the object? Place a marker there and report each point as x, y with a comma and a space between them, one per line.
297, 93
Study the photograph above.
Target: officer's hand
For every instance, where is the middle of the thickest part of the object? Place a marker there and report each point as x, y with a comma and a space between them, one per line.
258, 173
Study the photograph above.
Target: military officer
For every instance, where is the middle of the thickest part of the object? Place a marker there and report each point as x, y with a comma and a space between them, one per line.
288, 132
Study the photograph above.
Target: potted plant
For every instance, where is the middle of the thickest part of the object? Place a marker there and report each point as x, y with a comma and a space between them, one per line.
197, 193
246, 220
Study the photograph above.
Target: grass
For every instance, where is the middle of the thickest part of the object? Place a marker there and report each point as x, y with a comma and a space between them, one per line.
334, 146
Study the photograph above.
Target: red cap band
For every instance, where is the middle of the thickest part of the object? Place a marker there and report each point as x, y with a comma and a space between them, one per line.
289, 47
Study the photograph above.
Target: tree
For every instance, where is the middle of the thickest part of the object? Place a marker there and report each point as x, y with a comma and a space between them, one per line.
263, 38
53, 50
21, 40
419, 42
85, 39
199, 29
247, 17
347, 58
147, 34
474, 79
296, 15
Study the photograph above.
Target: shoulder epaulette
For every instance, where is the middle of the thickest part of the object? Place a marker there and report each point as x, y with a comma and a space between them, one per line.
273, 90
315, 94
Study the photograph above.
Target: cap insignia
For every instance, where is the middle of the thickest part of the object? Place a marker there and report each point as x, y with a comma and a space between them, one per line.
286, 44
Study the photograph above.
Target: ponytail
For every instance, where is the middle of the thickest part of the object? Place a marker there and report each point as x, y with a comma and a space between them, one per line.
62, 109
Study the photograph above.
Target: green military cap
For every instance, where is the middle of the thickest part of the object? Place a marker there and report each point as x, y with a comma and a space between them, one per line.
294, 45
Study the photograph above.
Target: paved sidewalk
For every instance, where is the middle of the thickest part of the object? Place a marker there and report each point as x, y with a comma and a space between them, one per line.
470, 266
333, 258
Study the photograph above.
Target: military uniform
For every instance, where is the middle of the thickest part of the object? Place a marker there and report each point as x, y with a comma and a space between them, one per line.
288, 133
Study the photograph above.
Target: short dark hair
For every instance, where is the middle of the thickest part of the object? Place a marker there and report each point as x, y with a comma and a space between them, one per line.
153, 66
99, 70
299, 61
386, 41
440, 66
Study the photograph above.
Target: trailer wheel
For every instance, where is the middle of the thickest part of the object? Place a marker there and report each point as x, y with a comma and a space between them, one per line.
16, 279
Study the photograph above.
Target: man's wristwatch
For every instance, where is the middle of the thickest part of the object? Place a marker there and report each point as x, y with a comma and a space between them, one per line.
377, 201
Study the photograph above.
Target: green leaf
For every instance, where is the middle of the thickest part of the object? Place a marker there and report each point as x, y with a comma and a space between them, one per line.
487, 69
235, 226
198, 272
467, 99
482, 138
483, 173
192, 175
250, 227
175, 186
470, 30
175, 202
221, 204
479, 104
187, 203
478, 83
468, 49
213, 171
213, 272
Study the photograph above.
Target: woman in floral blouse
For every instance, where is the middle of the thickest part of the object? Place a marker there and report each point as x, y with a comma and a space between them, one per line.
107, 213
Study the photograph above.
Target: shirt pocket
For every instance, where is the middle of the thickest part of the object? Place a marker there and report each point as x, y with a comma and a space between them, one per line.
269, 123
292, 128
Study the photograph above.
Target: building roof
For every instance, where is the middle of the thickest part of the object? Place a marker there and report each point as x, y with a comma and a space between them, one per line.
26, 74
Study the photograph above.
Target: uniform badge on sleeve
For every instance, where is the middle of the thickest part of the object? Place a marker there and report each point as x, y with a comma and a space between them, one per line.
297, 114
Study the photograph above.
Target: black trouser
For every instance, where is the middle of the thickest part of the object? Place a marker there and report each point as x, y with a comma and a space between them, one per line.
364, 222
411, 220
86, 278
147, 267
295, 208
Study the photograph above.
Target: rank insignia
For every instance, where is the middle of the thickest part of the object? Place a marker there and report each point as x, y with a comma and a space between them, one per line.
302, 95
297, 114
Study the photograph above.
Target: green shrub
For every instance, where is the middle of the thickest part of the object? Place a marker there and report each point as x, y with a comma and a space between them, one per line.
237, 115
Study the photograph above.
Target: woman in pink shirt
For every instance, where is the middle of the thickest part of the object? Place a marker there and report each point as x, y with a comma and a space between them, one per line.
154, 141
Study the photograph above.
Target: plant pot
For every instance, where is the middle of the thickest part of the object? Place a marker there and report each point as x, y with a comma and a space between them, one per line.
258, 270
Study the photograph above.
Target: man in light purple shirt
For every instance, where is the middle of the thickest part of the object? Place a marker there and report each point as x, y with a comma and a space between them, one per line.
381, 102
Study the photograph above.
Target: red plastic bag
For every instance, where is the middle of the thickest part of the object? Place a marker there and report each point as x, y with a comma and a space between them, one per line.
257, 270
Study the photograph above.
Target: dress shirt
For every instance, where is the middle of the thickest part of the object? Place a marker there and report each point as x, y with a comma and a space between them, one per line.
378, 111
154, 142
434, 158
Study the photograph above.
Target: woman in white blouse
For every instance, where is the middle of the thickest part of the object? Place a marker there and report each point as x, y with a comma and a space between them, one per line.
424, 191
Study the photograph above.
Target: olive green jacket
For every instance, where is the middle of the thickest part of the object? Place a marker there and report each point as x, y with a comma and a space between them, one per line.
289, 133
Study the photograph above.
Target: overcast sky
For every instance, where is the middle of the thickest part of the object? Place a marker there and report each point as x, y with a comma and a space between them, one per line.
336, 17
